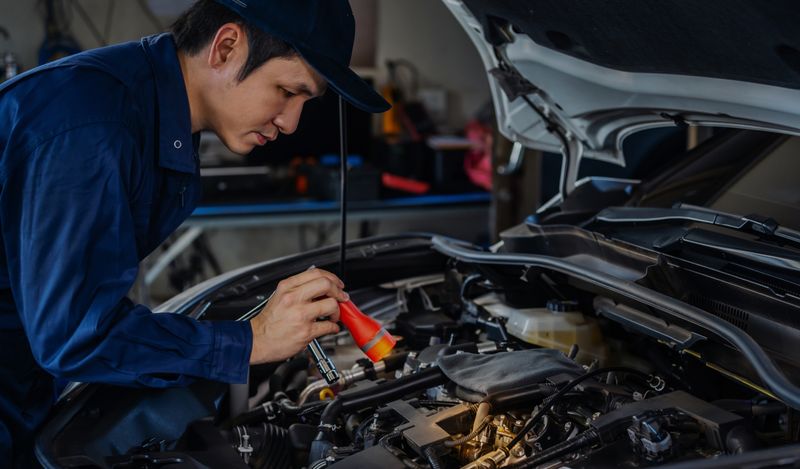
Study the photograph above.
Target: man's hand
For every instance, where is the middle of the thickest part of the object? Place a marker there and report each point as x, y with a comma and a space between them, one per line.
289, 321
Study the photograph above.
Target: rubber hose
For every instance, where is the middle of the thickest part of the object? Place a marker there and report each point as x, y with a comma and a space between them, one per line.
283, 374
395, 361
433, 458
483, 411
386, 392
428, 378
259, 414
475, 432
741, 406
275, 451
512, 398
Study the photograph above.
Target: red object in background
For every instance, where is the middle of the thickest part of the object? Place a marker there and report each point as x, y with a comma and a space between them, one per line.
368, 334
478, 160
399, 183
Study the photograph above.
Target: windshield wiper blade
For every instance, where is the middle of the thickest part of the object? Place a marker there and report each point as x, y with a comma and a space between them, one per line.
754, 223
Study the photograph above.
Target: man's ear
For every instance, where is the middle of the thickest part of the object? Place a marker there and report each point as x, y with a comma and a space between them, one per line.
228, 44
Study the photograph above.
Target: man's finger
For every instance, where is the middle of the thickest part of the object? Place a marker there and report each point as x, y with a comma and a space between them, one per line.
320, 287
304, 277
321, 328
335, 315
324, 308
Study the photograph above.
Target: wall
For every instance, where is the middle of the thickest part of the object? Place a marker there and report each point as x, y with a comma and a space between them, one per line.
422, 31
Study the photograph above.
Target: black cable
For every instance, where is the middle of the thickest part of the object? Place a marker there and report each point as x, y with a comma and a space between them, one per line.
343, 187
548, 403
587, 438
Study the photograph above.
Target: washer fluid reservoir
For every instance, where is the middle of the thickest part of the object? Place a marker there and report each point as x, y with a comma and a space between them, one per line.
558, 326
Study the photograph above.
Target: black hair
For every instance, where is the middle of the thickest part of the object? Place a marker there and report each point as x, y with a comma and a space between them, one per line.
196, 27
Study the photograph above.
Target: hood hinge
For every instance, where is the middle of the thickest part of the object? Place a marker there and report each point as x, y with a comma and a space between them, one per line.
514, 86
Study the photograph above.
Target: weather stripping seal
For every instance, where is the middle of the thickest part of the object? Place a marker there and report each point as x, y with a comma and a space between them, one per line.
772, 377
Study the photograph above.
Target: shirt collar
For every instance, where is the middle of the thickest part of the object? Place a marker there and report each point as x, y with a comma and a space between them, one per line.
176, 145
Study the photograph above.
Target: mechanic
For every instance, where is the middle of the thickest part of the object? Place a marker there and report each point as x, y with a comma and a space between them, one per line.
98, 165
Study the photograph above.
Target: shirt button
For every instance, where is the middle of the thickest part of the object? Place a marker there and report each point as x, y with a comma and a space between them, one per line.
177, 144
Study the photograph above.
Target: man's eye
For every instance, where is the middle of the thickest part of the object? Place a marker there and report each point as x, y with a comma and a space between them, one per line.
287, 93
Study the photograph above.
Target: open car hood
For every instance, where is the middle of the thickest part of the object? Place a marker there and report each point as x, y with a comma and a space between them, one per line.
597, 72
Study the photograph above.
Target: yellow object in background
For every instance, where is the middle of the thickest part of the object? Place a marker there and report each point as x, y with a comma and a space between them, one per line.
390, 122
326, 394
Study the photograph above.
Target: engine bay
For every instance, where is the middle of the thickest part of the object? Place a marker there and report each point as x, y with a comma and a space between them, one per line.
496, 365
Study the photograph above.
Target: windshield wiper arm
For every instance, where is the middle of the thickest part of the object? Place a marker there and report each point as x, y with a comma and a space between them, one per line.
756, 224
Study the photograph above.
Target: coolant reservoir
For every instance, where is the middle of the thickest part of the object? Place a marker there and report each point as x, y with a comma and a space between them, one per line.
558, 326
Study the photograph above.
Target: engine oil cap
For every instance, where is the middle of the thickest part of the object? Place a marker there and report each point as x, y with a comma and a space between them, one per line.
563, 306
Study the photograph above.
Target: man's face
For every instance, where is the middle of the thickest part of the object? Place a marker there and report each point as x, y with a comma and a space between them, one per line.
268, 102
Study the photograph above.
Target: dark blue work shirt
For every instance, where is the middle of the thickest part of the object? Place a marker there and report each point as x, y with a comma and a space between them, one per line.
97, 167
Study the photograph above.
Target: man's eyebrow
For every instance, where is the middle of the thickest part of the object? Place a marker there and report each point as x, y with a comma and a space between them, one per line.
302, 88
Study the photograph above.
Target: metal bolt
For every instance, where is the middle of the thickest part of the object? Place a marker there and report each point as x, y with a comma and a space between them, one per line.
518, 451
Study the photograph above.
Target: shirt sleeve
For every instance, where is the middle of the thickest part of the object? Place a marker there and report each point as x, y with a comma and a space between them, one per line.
72, 257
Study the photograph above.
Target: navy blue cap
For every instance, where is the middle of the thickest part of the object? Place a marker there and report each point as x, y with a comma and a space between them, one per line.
322, 32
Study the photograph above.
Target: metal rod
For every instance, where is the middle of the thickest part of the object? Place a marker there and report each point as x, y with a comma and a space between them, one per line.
342, 187
325, 365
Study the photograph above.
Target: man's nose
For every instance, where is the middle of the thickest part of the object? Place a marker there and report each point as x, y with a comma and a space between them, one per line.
287, 120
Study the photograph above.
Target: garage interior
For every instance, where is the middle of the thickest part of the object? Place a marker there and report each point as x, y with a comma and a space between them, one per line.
573, 241
437, 69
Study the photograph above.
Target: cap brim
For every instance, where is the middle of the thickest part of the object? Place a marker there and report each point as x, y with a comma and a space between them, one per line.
346, 82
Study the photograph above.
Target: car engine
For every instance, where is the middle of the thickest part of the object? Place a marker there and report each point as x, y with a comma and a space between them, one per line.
476, 389
491, 370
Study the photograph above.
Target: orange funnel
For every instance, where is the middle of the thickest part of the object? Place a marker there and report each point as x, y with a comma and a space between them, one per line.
373, 339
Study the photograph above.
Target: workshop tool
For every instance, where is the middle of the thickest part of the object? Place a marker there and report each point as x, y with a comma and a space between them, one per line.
324, 364
368, 334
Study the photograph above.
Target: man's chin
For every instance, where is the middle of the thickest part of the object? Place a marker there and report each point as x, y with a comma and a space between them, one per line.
238, 147
244, 149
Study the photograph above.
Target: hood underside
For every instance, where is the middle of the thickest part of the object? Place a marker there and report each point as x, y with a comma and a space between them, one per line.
600, 71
